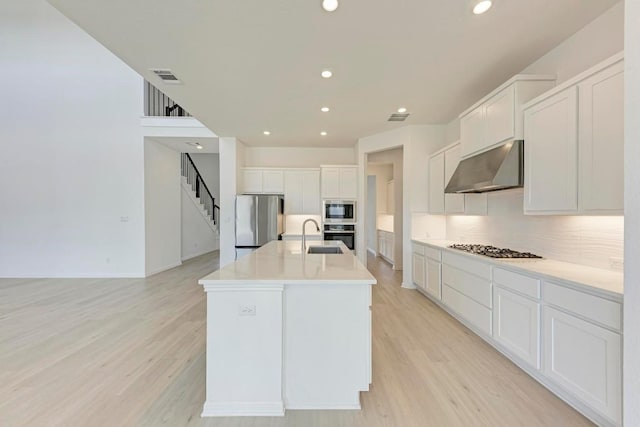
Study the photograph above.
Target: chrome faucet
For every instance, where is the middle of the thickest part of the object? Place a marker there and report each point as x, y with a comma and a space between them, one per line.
304, 233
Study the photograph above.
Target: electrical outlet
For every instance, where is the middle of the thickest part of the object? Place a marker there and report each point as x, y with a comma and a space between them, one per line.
616, 263
246, 310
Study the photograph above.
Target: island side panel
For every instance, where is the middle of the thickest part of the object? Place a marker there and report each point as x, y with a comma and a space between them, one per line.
244, 351
327, 345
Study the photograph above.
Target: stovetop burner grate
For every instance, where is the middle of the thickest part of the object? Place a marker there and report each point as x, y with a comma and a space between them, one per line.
492, 251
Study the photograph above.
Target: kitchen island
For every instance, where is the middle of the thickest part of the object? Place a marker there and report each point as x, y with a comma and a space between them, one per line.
288, 329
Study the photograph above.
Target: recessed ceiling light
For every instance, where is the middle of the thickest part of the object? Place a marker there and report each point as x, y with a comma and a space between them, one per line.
482, 6
402, 110
199, 147
326, 74
329, 5
266, 132
325, 109
323, 133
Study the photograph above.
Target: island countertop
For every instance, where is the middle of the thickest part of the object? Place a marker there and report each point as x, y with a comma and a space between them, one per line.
283, 262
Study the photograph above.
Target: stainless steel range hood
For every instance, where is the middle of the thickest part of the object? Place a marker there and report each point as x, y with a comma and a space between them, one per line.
497, 169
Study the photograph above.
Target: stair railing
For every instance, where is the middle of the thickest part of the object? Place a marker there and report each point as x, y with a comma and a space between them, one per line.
194, 179
157, 104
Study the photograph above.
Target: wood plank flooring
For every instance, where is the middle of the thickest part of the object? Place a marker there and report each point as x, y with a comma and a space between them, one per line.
130, 352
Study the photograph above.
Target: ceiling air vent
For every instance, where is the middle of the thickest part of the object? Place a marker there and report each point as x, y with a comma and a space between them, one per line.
167, 76
397, 117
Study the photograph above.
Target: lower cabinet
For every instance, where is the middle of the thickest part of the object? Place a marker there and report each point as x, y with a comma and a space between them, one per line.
386, 243
433, 279
516, 325
418, 267
585, 359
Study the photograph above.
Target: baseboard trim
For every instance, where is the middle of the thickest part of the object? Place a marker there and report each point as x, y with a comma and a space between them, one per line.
372, 251
405, 286
243, 409
324, 406
161, 269
199, 254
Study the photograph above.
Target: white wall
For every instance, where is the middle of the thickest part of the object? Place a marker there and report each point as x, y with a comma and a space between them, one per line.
71, 168
371, 213
298, 157
231, 160
632, 216
383, 174
208, 165
162, 207
197, 235
597, 41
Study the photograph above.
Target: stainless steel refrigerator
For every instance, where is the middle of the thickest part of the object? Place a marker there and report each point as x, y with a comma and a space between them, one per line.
259, 220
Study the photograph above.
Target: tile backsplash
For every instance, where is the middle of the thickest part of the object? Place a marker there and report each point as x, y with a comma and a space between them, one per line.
585, 240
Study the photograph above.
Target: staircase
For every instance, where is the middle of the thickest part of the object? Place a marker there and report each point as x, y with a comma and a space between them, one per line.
192, 179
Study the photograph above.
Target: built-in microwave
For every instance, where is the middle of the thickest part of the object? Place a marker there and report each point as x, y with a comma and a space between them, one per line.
339, 211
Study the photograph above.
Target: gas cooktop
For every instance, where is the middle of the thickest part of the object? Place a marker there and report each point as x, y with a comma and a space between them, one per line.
493, 252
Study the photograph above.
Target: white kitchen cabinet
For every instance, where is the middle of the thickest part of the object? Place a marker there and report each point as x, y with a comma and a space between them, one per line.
442, 165
516, 325
386, 244
584, 359
574, 143
339, 182
252, 181
263, 181
302, 192
433, 283
391, 198
497, 117
418, 270
436, 184
551, 154
601, 136
453, 203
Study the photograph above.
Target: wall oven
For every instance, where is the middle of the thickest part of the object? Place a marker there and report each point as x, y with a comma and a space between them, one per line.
338, 211
344, 232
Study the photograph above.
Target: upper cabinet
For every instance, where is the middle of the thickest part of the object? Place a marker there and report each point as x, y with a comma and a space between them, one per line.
302, 192
442, 165
263, 181
574, 141
339, 182
498, 116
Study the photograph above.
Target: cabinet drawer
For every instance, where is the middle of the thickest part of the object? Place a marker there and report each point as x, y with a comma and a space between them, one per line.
433, 253
418, 249
468, 264
473, 312
517, 282
472, 286
605, 312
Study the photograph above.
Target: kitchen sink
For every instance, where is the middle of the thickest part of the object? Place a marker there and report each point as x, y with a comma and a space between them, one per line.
324, 250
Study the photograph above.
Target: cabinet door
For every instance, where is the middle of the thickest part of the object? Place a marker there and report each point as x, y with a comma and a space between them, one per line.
585, 359
499, 116
418, 270
472, 131
330, 183
516, 325
551, 154
433, 282
349, 183
601, 131
453, 203
252, 181
391, 198
311, 192
293, 193
436, 184
272, 182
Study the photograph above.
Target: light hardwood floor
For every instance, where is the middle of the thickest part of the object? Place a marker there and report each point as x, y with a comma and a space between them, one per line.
130, 352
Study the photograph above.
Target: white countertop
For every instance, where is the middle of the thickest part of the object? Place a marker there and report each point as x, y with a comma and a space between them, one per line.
385, 230
282, 262
604, 282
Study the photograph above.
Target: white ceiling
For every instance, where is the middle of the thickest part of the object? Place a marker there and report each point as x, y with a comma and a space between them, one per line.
250, 66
